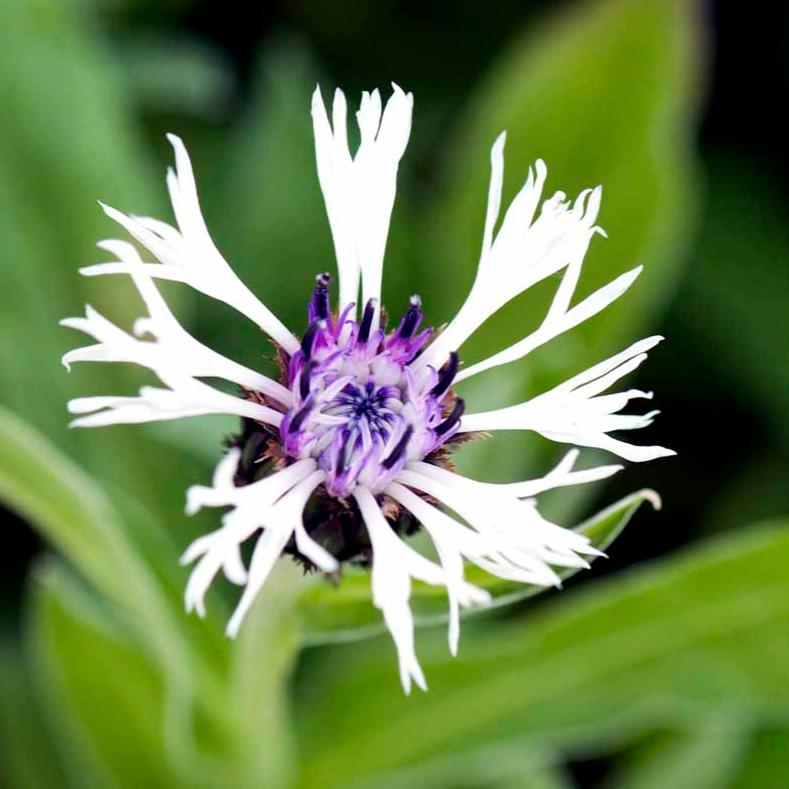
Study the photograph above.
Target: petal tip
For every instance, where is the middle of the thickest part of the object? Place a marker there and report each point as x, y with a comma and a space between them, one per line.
653, 497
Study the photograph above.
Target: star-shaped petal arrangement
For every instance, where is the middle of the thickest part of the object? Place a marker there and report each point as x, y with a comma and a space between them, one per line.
349, 452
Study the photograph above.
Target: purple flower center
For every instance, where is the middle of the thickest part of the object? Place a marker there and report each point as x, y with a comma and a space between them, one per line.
360, 409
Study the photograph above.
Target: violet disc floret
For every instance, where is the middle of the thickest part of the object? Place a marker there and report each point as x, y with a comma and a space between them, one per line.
348, 452
359, 408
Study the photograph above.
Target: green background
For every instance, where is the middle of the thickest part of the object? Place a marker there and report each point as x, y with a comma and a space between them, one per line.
665, 666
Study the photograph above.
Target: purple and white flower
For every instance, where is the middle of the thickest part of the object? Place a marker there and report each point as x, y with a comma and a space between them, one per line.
349, 451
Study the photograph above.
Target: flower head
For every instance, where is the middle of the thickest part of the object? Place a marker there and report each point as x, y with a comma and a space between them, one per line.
348, 452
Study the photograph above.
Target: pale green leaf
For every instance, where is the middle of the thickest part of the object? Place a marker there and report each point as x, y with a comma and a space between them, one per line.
258, 684
132, 718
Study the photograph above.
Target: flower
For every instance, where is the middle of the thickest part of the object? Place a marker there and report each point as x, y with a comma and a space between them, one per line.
349, 451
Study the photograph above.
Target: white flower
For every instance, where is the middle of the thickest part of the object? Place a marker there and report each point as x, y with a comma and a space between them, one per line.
362, 420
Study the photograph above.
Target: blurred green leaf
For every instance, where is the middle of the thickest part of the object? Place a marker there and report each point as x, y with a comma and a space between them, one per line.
74, 515
508, 766
105, 698
733, 302
344, 613
122, 717
178, 74
27, 752
765, 765
706, 756
606, 93
258, 684
682, 640
66, 139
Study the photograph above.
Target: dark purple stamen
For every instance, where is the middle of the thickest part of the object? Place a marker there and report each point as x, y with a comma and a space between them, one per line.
342, 453
304, 381
319, 305
446, 376
400, 448
308, 340
300, 416
367, 322
452, 419
411, 319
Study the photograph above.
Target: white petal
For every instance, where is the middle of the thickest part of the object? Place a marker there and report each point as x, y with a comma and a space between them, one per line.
359, 190
185, 398
267, 550
524, 251
560, 476
520, 544
233, 567
335, 169
176, 357
575, 412
452, 541
391, 587
172, 351
318, 555
255, 496
607, 365
188, 254
274, 503
557, 322
279, 524
494, 192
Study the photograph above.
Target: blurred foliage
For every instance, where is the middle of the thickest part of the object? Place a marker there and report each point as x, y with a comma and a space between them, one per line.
670, 674
717, 303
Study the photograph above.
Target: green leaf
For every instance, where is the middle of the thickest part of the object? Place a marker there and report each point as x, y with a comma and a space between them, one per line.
606, 93
258, 684
27, 750
681, 641
765, 765
503, 766
66, 139
732, 302
105, 699
707, 756
122, 716
178, 74
74, 515
345, 612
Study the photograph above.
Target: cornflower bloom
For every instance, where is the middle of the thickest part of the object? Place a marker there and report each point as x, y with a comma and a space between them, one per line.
348, 452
